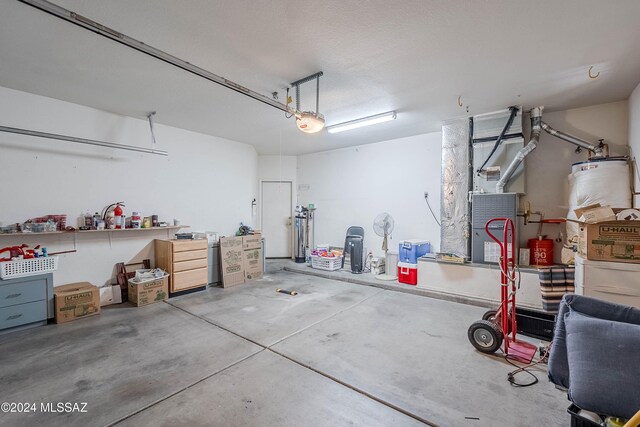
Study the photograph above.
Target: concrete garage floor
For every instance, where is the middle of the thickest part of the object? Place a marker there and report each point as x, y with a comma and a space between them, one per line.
336, 354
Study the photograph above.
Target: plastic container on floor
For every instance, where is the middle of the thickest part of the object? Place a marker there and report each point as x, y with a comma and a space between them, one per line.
326, 263
410, 250
408, 273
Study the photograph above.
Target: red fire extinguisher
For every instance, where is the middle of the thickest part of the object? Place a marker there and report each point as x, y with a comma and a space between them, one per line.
117, 211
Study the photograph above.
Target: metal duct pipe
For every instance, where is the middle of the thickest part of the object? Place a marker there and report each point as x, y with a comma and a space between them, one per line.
536, 129
572, 139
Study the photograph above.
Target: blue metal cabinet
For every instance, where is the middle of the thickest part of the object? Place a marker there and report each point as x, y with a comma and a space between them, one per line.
26, 301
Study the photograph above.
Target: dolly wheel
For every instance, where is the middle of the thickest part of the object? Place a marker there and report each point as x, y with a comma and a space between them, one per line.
485, 336
489, 314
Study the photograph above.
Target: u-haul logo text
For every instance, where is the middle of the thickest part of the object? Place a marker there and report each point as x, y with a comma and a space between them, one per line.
152, 284
78, 296
620, 230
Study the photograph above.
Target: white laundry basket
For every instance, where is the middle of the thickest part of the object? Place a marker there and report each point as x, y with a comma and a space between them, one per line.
28, 267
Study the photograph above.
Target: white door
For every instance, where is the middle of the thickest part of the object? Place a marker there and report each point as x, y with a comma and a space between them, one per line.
276, 218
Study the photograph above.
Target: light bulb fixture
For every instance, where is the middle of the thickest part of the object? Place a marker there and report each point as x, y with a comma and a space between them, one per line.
365, 121
310, 122
307, 121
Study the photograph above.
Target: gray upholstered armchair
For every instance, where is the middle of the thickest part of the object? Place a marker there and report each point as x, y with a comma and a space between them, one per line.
596, 355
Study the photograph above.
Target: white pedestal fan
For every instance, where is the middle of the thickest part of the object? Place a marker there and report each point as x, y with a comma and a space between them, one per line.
383, 226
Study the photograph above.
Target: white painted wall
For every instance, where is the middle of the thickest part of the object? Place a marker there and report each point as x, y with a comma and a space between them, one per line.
351, 186
206, 182
548, 166
634, 137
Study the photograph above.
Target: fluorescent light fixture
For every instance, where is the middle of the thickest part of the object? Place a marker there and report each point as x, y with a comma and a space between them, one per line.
365, 121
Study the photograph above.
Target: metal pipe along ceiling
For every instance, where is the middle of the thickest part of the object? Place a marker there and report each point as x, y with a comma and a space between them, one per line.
81, 140
572, 139
114, 35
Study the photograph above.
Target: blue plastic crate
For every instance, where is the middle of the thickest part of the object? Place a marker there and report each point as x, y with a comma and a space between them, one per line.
410, 250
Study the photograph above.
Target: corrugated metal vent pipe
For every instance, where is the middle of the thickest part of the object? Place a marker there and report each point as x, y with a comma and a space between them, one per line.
536, 128
572, 139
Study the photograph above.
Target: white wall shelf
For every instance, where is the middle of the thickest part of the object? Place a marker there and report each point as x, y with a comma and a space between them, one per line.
124, 230
109, 232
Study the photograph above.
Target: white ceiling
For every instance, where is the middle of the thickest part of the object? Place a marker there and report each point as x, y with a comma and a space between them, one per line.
412, 56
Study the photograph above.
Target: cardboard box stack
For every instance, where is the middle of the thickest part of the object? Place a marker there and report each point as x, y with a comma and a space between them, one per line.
241, 259
76, 300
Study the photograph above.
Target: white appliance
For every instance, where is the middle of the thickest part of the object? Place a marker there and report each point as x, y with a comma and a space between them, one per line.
616, 282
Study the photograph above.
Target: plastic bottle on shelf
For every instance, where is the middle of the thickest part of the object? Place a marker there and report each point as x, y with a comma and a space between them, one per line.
88, 220
96, 219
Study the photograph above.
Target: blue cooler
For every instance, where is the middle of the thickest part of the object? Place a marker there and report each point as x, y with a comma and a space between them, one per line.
410, 250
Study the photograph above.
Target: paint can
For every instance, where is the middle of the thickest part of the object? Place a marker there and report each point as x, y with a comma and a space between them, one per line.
541, 251
136, 221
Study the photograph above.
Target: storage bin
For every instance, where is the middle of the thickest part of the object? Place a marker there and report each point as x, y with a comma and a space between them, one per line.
408, 273
28, 267
410, 250
555, 282
615, 282
326, 263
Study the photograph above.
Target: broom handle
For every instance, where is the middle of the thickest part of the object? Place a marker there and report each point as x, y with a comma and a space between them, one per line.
634, 421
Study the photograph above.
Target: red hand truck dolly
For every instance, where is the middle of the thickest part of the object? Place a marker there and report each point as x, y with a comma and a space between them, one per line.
498, 326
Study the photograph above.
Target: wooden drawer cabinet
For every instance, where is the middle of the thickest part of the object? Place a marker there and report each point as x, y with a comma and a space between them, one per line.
189, 265
185, 261
190, 255
26, 301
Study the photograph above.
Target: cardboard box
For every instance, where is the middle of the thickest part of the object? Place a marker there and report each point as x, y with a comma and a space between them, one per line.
146, 292
602, 238
76, 300
378, 269
252, 261
595, 213
524, 256
617, 241
231, 261
252, 241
